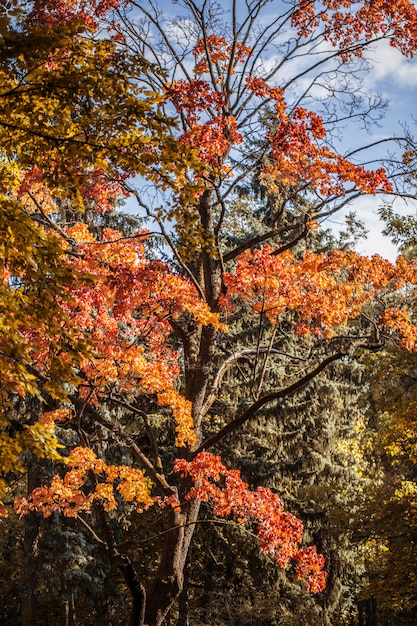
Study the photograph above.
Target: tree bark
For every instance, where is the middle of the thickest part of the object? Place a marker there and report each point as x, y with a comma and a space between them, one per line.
169, 580
32, 530
183, 600
136, 589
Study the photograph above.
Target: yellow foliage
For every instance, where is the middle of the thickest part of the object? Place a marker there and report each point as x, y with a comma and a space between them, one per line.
61, 137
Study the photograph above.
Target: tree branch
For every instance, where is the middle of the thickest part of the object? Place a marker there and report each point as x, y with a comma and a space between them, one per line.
114, 426
149, 430
266, 399
242, 355
229, 256
91, 532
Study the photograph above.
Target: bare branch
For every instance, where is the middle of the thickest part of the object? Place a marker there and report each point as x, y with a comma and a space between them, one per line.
91, 532
254, 241
266, 399
241, 355
169, 241
149, 430
114, 426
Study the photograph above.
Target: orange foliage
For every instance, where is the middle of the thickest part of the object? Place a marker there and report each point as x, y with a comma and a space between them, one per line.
127, 305
399, 321
279, 532
59, 415
215, 53
196, 101
98, 191
125, 308
324, 290
297, 156
76, 492
55, 12
347, 23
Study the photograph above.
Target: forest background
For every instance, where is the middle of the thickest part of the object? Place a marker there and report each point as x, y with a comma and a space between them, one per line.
207, 409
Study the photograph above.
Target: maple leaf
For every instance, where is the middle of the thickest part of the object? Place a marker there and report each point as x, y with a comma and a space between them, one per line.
70, 494
278, 531
325, 291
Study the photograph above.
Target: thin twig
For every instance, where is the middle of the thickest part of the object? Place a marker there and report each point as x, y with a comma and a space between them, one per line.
91, 532
149, 430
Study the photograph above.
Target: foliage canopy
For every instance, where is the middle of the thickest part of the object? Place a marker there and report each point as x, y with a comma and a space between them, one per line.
186, 117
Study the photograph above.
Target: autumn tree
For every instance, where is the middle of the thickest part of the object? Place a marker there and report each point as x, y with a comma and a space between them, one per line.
391, 571
307, 450
57, 149
181, 104
389, 510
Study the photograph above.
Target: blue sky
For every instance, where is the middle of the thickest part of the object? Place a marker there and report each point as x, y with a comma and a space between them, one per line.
395, 78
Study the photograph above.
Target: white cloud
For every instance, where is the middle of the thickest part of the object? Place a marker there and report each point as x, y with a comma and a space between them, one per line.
390, 66
366, 209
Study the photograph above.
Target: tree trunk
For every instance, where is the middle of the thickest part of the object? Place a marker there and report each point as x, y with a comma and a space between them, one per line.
32, 531
199, 351
136, 589
183, 604
68, 610
169, 580
367, 613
